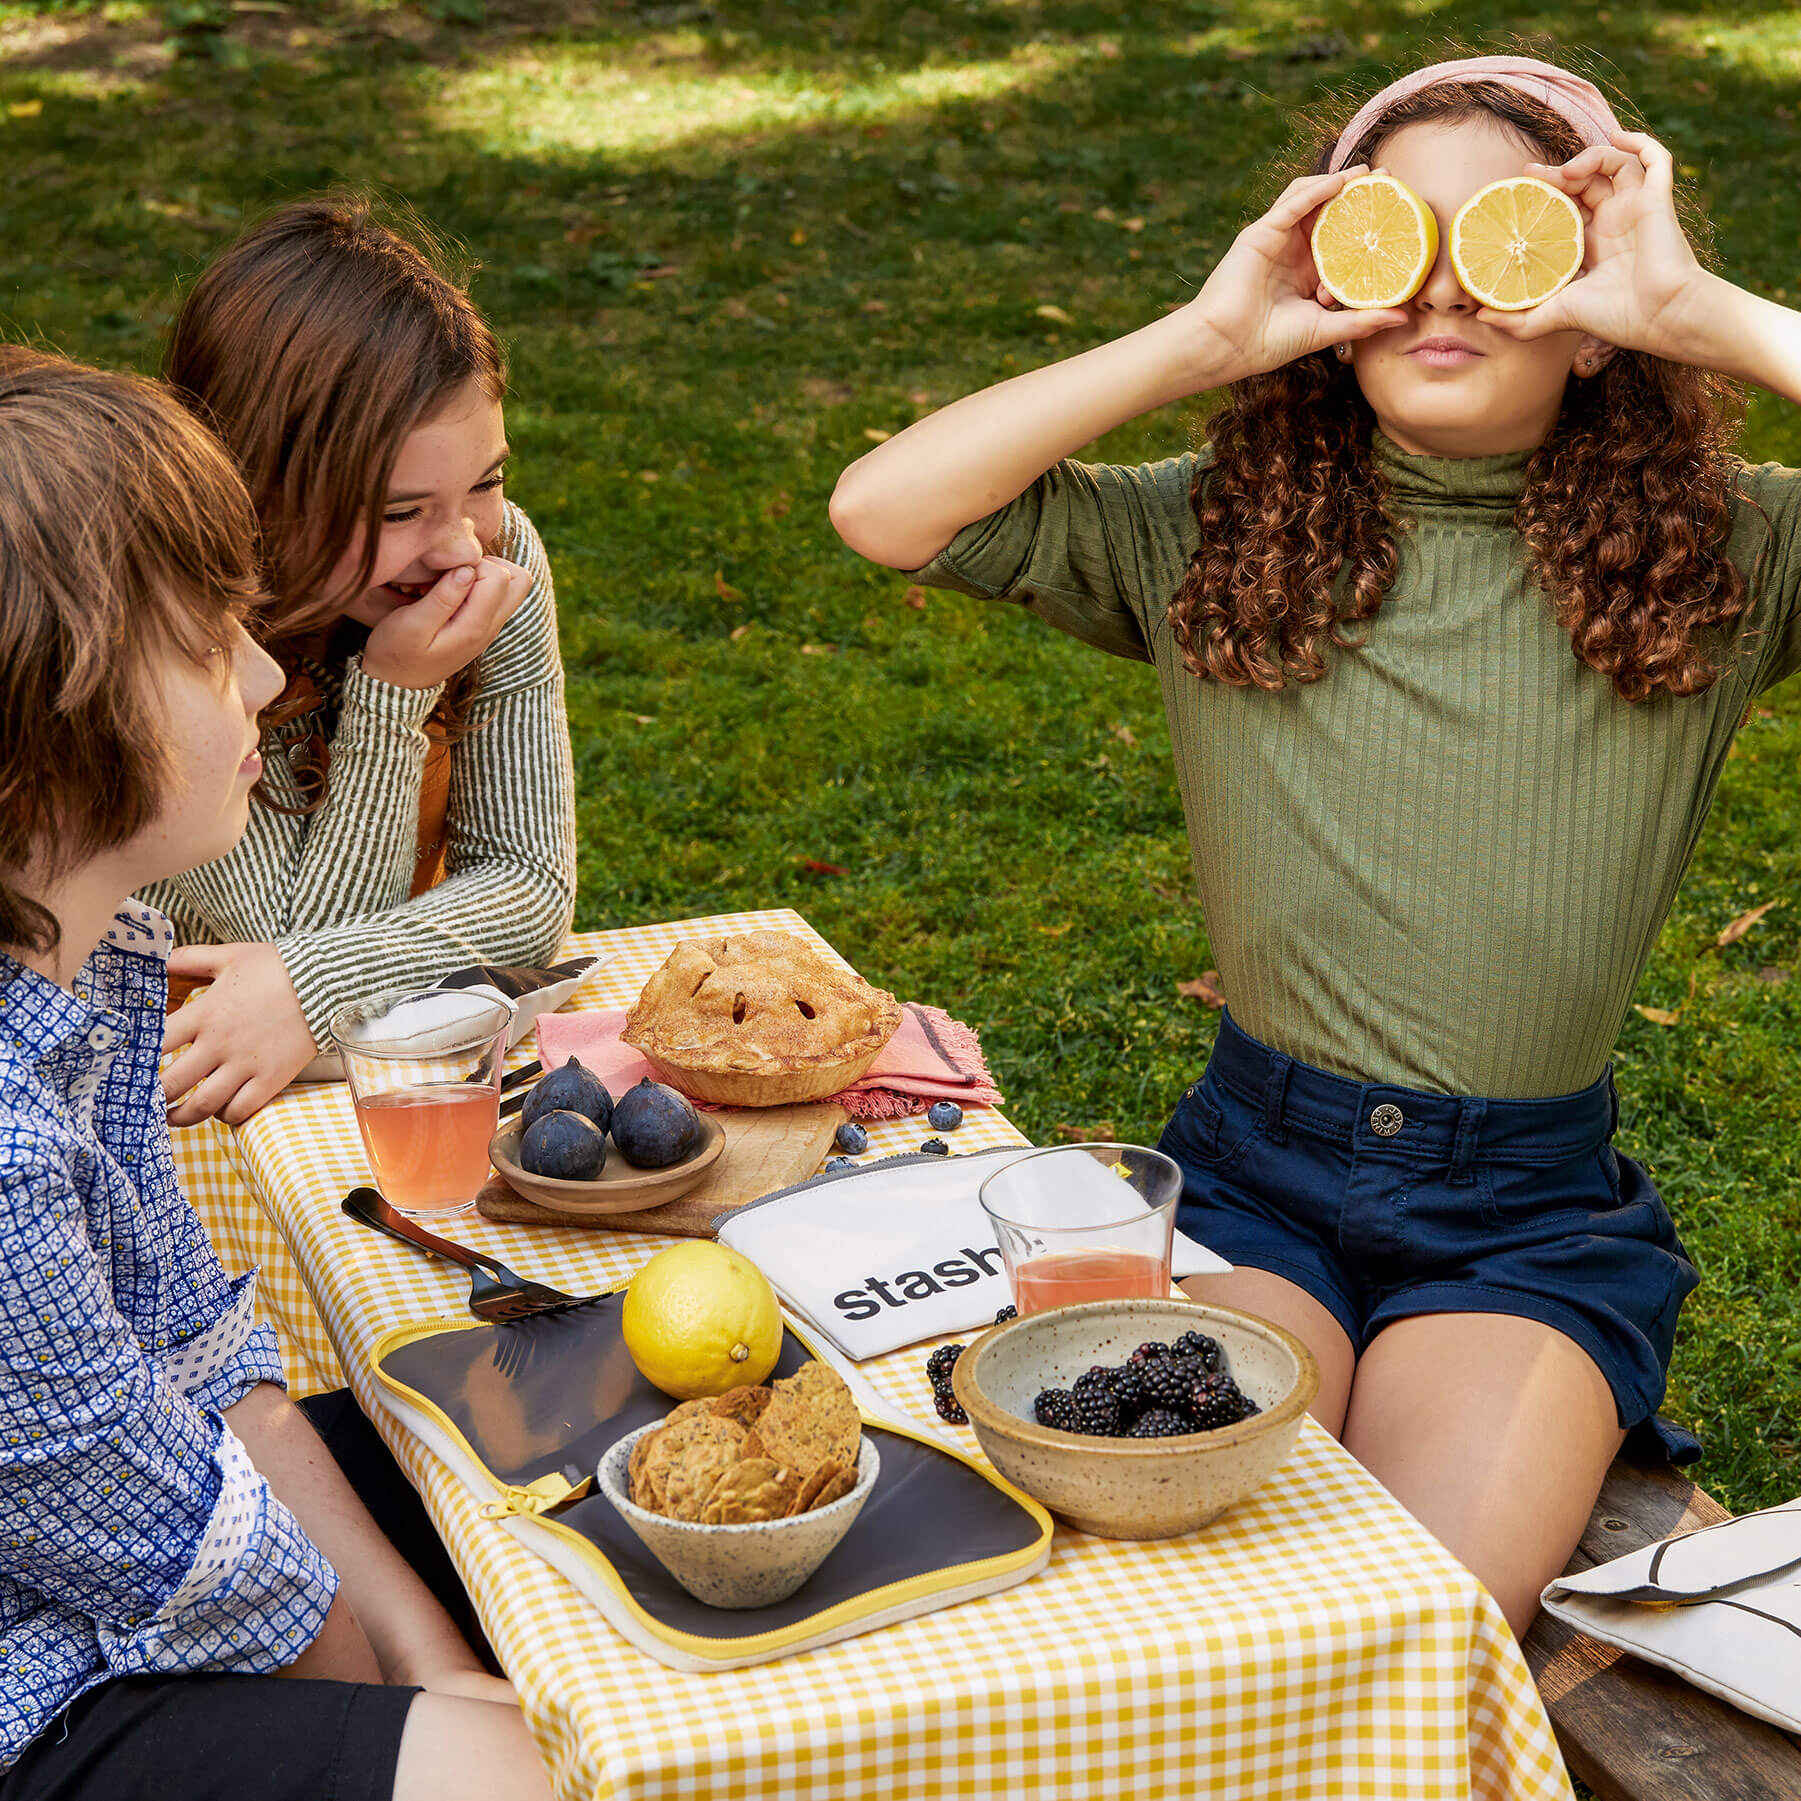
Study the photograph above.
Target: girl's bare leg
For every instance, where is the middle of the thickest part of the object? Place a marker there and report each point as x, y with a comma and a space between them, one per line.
1285, 1303
1495, 1433
454, 1749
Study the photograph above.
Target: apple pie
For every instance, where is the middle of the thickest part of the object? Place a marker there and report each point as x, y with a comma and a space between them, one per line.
759, 1021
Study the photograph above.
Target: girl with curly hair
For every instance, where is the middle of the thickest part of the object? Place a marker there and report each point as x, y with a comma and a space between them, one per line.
1455, 616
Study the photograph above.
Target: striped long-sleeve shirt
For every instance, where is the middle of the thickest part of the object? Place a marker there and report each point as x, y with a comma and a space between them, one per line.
329, 890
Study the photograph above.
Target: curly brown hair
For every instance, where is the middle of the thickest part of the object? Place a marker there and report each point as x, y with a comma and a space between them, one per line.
1624, 512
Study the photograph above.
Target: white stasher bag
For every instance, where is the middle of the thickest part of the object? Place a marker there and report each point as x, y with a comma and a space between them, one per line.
893, 1252
1721, 1607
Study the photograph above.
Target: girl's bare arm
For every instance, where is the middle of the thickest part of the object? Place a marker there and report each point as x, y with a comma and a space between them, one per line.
904, 501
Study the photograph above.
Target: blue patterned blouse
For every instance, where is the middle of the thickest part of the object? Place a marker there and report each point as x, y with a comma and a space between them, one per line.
135, 1535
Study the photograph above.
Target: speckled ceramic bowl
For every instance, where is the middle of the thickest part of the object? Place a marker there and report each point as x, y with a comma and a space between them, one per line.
1132, 1487
738, 1566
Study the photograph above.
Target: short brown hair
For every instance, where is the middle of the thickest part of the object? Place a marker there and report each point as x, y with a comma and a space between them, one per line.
125, 534
313, 346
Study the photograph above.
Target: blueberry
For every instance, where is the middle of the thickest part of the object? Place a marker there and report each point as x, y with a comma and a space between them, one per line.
944, 1116
935, 1147
564, 1145
654, 1126
852, 1138
570, 1089
841, 1163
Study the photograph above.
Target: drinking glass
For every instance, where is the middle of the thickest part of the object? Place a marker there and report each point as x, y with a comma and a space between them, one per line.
1085, 1222
424, 1067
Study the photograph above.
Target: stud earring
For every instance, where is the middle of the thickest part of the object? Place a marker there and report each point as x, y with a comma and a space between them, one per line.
1343, 352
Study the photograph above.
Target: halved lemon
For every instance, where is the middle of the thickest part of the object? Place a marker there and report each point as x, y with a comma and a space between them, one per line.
1374, 242
1515, 242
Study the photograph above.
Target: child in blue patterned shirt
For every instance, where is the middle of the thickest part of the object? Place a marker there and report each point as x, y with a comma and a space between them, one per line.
172, 1540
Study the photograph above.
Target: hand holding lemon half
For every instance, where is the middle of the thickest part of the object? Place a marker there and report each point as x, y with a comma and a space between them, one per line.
1514, 243
700, 1319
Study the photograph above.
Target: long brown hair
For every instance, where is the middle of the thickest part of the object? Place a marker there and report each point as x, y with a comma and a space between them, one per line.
125, 536
1624, 512
313, 346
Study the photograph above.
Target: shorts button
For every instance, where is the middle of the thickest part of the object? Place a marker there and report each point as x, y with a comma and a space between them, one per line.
1387, 1120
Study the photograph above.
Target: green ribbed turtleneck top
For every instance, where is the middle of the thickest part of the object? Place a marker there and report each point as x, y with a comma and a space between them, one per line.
1445, 864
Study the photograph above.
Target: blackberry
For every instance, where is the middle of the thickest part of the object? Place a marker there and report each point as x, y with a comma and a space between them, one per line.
1056, 1407
1163, 1384
944, 1116
1198, 1344
1097, 1413
938, 1365
1097, 1381
1215, 1401
1159, 1422
1005, 1314
1128, 1389
949, 1409
1146, 1352
935, 1147
851, 1137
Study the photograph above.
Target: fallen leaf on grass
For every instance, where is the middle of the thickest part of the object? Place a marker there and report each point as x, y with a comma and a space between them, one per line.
1099, 1133
875, 306
1131, 225
1055, 314
738, 631
1740, 926
1660, 1016
1105, 214
797, 237
1205, 989
778, 507
915, 597
1125, 735
723, 588
24, 109
735, 306
1053, 931
813, 866
645, 718
819, 650
876, 435
650, 475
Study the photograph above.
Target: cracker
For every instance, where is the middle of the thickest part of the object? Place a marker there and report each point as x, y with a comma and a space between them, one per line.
807, 1495
810, 1417
745, 1405
696, 1450
837, 1488
751, 1489
635, 1485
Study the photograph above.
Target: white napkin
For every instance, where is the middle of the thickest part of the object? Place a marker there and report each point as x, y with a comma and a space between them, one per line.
1721, 1607
894, 1252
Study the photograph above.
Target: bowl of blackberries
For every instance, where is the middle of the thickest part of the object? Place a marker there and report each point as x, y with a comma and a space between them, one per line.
577, 1150
1134, 1419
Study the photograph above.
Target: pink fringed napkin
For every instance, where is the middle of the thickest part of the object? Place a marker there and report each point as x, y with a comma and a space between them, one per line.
932, 1057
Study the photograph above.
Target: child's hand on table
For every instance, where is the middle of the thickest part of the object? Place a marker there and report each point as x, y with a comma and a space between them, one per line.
241, 1042
1263, 300
448, 626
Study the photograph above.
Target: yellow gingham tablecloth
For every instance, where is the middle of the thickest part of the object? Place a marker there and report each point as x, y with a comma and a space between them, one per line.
1316, 1642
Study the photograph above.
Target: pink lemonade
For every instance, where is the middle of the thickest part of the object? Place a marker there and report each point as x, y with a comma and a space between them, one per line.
429, 1146
1062, 1278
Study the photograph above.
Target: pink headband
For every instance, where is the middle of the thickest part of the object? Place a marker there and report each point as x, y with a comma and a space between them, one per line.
1579, 101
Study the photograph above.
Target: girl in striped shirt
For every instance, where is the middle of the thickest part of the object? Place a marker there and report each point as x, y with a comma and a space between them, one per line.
417, 807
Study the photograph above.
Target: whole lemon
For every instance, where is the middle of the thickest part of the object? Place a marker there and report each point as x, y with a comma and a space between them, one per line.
700, 1319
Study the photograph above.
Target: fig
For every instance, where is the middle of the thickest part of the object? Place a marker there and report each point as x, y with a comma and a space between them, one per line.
565, 1145
653, 1126
572, 1089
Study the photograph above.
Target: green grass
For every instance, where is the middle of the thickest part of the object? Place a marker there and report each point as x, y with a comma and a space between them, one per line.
727, 243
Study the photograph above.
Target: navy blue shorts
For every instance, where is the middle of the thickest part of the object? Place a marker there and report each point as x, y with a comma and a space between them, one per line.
1385, 1202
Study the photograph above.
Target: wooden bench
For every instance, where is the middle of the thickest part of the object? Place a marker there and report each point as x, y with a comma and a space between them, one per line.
1633, 1732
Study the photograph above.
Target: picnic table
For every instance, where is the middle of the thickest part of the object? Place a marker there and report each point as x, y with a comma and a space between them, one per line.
1316, 1641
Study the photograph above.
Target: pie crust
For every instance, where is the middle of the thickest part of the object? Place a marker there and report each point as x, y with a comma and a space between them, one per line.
759, 1021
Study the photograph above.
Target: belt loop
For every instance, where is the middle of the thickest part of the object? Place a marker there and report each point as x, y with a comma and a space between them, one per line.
1613, 1100
1470, 1114
1275, 1097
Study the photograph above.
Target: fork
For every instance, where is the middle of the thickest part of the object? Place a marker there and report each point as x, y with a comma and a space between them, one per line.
495, 1293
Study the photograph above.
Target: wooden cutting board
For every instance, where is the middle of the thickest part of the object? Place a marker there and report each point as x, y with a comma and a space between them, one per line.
766, 1148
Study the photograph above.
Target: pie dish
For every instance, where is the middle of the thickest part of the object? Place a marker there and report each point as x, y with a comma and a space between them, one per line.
762, 1020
